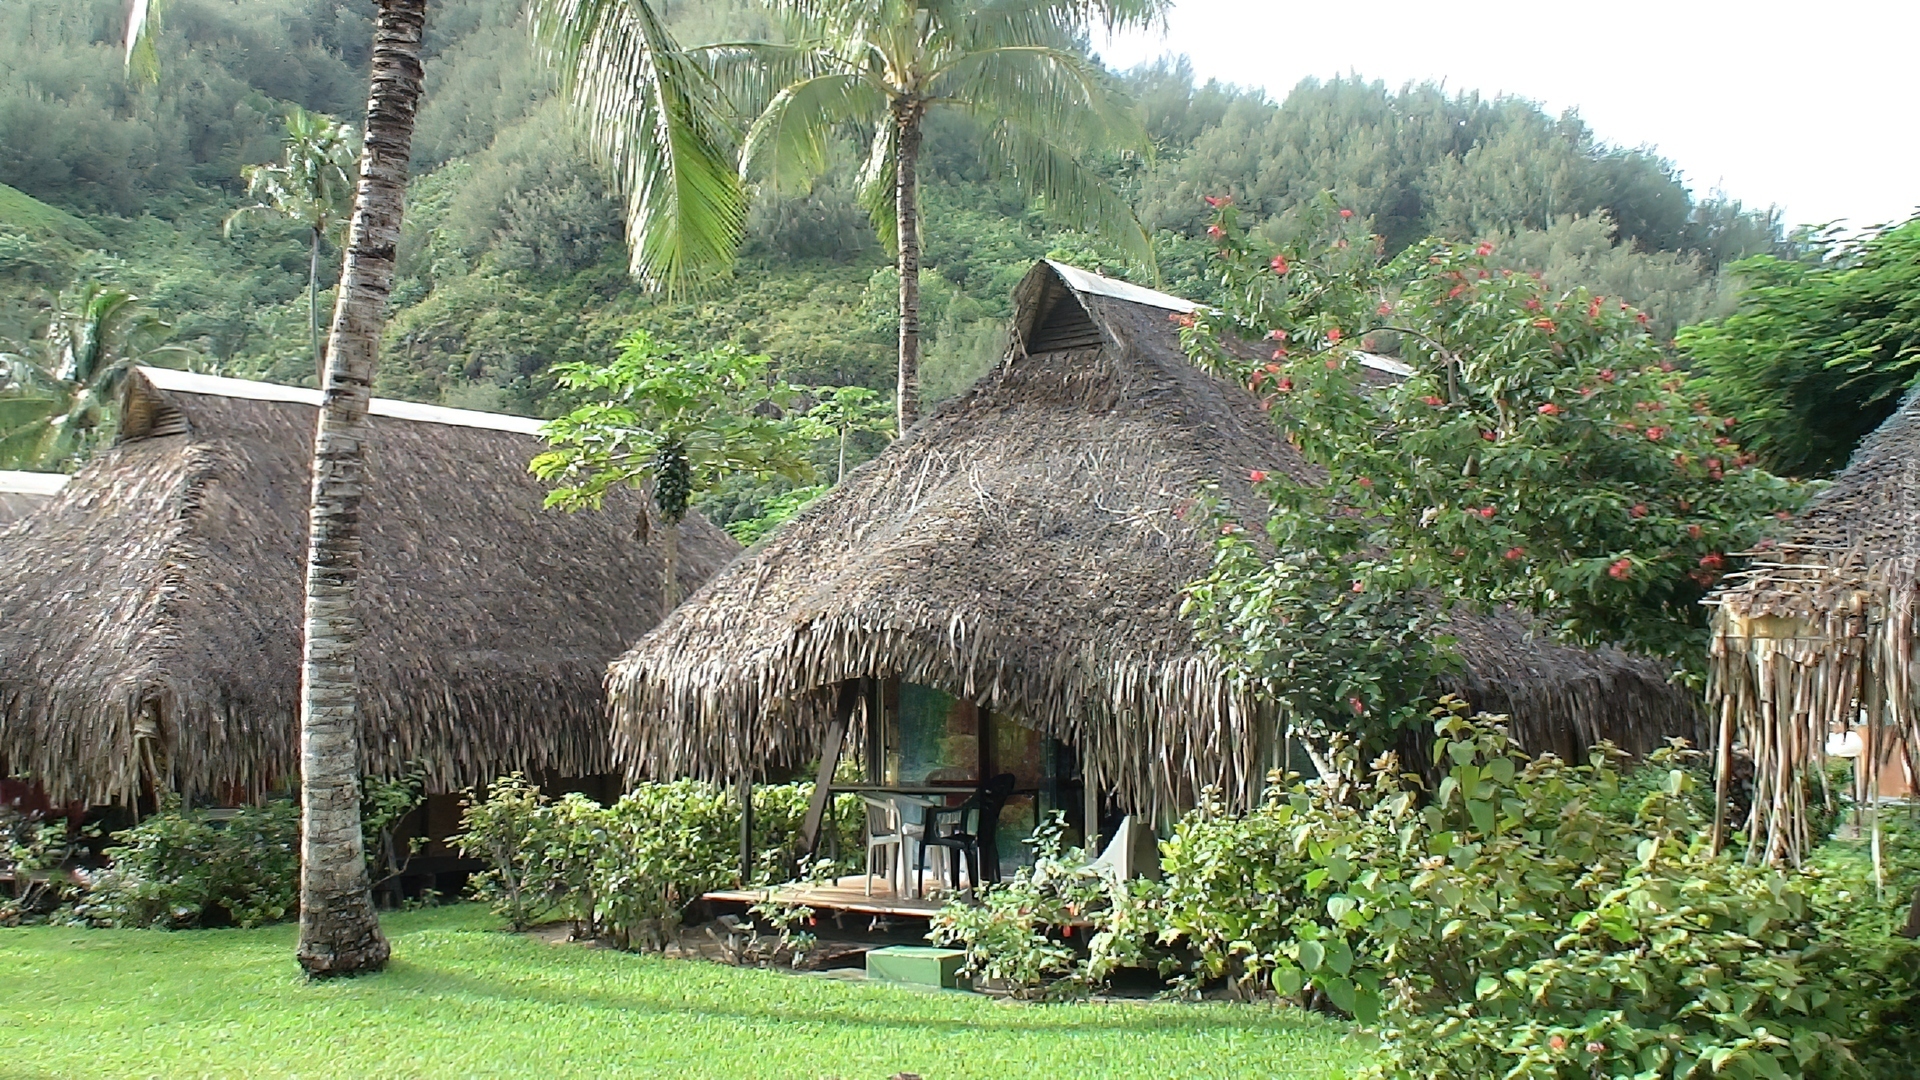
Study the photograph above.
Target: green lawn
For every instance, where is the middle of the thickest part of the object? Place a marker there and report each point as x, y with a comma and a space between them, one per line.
461, 999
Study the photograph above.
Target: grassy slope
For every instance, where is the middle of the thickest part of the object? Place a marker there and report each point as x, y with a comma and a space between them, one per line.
460, 1000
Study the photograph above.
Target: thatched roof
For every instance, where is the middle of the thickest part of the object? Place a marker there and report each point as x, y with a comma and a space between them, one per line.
1025, 546
151, 614
21, 492
1818, 634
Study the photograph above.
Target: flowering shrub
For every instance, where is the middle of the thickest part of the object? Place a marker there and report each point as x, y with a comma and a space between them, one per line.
1542, 452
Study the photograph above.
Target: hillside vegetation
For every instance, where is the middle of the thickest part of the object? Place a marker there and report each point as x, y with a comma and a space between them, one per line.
513, 256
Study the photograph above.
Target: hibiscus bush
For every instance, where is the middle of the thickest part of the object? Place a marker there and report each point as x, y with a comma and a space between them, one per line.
1518, 447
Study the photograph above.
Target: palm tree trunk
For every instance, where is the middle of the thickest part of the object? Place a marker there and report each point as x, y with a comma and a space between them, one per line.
906, 208
313, 308
339, 930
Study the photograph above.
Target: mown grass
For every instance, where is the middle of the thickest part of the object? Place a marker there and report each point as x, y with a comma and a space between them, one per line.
462, 999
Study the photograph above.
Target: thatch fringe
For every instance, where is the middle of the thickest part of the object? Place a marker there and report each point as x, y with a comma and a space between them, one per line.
150, 614
1025, 547
1819, 638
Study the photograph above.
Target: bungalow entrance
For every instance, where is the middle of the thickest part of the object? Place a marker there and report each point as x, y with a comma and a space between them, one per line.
924, 751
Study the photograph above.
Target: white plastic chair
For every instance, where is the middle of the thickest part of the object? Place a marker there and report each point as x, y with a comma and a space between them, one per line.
883, 836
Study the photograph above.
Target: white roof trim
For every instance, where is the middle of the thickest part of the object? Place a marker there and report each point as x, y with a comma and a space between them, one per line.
1087, 282
187, 382
32, 483
1384, 363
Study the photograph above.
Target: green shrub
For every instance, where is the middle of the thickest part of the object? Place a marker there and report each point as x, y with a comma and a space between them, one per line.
628, 871
181, 869
1530, 918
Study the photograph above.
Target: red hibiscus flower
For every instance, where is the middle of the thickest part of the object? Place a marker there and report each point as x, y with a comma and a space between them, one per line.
1346, 214
1606, 375
1333, 336
1454, 293
1257, 476
1621, 570
1558, 1042
1364, 482
1488, 435
1695, 531
1639, 510
1544, 324
1276, 335
1218, 201
1487, 511
1515, 553
1432, 400
1284, 385
1532, 305
1384, 308
1485, 249
1549, 409
1354, 702
1216, 231
1656, 432
1279, 264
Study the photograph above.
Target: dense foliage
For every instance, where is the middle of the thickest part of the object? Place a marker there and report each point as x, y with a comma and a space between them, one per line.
1820, 349
627, 871
179, 869
1527, 918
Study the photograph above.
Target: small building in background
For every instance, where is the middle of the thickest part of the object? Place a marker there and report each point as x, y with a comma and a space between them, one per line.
151, 617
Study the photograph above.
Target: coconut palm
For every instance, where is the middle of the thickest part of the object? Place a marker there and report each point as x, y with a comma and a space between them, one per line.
313, 186
58, 391
339, 929
879, 65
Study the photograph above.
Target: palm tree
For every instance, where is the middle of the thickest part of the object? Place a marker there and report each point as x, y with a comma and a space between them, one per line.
339, 929
1013, 65
57, 392
314, 186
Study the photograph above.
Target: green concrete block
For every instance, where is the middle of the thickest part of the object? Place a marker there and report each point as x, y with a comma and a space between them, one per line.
917, 964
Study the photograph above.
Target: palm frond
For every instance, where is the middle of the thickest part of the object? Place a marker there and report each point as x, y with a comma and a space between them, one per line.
1074, 195
650, 114
875, 185
1053, 91
787, 145
748, 74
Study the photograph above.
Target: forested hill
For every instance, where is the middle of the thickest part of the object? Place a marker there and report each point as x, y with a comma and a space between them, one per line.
513, 256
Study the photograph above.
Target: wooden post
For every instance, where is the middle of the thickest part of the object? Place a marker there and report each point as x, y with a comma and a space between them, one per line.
1090, 807
836, 737
746, 826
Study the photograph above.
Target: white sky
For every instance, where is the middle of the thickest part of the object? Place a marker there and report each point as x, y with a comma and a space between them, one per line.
1810, 105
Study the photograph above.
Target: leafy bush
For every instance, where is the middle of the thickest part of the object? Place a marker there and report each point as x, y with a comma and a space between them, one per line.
181, 869
1017, 934
1529, 918
628, 871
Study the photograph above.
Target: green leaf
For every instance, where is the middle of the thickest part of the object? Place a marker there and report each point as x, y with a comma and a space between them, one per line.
1312, 955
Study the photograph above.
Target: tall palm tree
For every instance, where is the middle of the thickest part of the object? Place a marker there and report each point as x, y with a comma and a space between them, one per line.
313, 186
1013, 65
56, 392
339, 928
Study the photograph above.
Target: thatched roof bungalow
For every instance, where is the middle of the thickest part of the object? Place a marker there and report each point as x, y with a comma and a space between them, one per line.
1818, 636
150, 617
1024, 548
21, 492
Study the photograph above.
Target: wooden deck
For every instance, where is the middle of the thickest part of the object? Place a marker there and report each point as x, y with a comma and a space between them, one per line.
846, 894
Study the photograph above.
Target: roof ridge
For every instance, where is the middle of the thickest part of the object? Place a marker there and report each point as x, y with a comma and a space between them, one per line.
191, 382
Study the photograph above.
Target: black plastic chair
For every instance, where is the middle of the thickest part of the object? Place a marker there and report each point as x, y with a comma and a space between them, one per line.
976, 844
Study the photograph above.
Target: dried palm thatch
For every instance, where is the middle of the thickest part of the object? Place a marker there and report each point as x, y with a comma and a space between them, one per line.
21, 492
150, 617
1817, 637
1025, 547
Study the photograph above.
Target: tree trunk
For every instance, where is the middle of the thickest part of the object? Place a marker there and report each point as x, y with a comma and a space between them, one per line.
313, 309
670, 567
906, 206
339, 930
